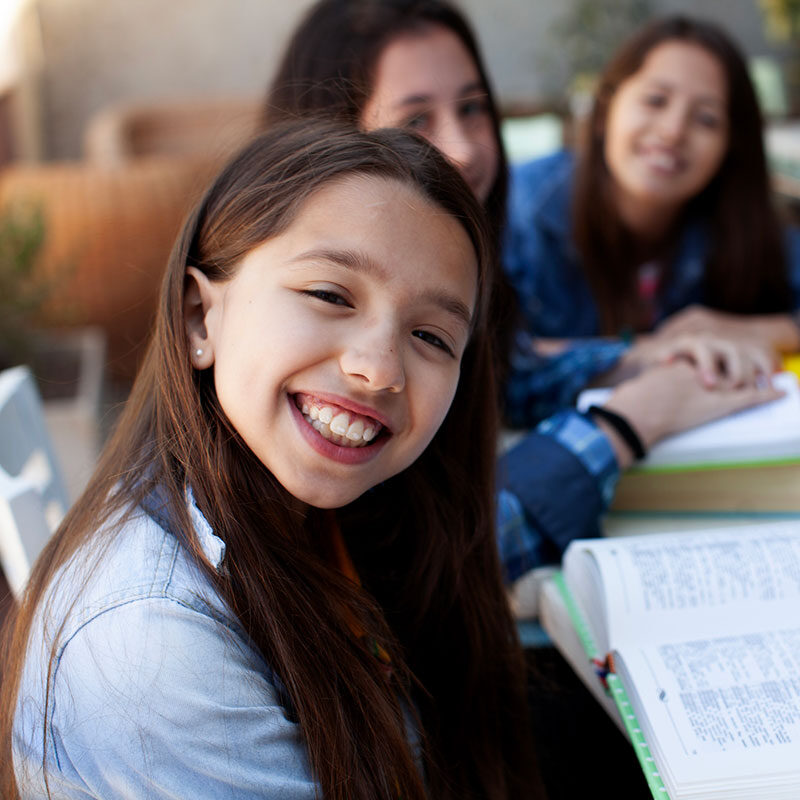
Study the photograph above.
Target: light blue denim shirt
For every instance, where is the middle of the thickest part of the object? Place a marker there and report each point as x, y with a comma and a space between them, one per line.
155, 691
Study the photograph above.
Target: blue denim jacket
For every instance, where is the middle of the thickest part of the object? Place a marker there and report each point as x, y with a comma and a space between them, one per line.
544, 267
155, 690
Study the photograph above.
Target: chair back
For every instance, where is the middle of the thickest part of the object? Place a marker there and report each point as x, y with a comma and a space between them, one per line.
33, 496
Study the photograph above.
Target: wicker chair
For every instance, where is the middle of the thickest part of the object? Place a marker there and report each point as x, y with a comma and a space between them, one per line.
212, 127
108, 234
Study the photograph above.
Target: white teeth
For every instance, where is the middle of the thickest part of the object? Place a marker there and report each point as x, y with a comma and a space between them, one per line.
664, 161
356, 431
340, 423
335, 425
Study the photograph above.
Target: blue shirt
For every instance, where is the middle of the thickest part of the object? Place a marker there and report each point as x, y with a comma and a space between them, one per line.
544, 267
557, 481
538, 386
155, 690
553, 486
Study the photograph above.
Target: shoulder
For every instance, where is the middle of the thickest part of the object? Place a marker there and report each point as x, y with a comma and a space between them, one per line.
150, 681
542, 183
538, 237
128, 561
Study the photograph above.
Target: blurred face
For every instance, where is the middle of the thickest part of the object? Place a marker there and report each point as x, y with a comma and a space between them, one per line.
427, 81
337, 345
667, 128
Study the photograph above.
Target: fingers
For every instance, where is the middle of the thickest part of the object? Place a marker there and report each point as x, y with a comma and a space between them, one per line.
722, 363
740, 398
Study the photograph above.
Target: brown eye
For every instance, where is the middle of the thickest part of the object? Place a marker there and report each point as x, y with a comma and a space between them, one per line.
327, 297
433, 340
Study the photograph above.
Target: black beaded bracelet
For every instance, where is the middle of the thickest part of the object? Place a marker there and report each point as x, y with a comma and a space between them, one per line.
623, 428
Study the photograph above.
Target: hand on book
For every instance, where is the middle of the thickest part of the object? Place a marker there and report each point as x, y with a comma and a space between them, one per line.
776, 332
720, 362
669, 399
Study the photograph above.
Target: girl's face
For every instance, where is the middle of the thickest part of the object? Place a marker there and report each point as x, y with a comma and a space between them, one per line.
667, 127
427, 81
337, 345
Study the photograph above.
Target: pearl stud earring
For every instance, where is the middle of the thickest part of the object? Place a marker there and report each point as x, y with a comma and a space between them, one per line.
198, 352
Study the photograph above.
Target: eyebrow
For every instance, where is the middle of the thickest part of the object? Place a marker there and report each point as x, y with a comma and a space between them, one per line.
465, 90
703, 98
358, 262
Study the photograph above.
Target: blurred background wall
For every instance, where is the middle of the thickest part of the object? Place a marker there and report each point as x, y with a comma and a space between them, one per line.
98, 52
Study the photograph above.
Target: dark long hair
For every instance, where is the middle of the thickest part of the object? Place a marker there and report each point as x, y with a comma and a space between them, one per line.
328, 68
745, 271
423, 541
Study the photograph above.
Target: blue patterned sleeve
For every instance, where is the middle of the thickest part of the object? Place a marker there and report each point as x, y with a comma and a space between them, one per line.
539, 386
541, 510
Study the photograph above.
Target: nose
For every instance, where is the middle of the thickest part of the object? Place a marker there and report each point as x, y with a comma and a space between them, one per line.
375, 361
453, 140
672, 122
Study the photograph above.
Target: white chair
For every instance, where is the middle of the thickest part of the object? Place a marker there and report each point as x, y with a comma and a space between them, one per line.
33, 497
24, 529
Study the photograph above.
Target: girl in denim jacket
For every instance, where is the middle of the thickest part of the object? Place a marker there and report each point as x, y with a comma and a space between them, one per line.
662, 223
282, 580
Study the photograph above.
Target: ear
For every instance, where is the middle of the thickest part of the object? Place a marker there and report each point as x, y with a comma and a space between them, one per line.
201, 298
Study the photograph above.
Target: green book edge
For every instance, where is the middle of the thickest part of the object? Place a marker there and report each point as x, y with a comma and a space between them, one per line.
618, 693
708, 466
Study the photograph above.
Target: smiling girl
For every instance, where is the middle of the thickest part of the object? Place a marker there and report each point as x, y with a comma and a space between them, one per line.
416, 64
281, 581
664, 220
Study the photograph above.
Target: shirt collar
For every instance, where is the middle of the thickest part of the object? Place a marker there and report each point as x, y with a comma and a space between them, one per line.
156, 507
212, 546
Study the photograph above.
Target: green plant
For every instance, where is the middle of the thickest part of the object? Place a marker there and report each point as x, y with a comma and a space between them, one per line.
782, 18
22, 290
587, 33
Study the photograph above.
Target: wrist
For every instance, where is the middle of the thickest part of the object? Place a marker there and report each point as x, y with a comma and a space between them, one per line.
622, 453
622, 428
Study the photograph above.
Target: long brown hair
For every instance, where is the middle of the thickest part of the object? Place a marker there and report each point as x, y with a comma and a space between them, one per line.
745, 270
328, 68
423, 541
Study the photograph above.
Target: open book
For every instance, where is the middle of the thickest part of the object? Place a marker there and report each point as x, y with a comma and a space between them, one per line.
703, 630
748, 461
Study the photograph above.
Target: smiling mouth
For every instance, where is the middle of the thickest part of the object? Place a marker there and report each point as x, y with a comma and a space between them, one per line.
664, 161
336, 424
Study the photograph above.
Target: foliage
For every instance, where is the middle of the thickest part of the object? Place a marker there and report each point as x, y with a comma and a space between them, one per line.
22, 291
587, 33
782, 18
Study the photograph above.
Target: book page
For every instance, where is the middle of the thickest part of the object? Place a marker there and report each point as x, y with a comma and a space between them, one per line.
766, 432
663, 586
719, 707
